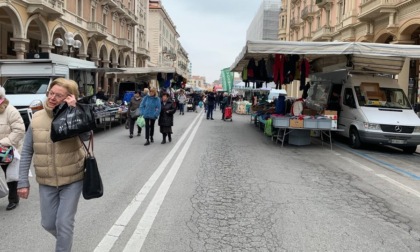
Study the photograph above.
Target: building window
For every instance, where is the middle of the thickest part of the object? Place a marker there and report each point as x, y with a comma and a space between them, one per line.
79, 8
93, 14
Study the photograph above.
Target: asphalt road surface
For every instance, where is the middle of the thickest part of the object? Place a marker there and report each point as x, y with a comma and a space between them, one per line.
224, 186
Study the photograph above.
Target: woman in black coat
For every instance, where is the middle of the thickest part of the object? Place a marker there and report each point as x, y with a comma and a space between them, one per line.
166, 118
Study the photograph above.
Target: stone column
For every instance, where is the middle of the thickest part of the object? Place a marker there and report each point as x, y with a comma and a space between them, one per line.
20, 47
46, 48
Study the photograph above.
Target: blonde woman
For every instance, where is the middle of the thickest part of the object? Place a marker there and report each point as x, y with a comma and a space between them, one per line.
150, 110
58, 166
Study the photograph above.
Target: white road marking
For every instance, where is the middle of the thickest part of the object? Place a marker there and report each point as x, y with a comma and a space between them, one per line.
384, 177
139, 236
402, 186
364, 167
116, 230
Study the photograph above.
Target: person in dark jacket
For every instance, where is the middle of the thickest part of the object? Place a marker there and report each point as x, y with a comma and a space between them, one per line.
150, 110
211, 100
166, 118
134, 106
224, 104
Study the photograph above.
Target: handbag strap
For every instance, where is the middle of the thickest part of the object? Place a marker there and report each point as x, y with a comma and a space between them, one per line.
88, 147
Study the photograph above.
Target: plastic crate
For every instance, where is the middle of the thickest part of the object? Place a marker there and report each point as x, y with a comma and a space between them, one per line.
324, 123
310, 123
280, 121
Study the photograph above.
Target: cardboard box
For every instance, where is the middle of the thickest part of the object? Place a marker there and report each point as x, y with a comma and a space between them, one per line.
309, 112
295, 123
330, 112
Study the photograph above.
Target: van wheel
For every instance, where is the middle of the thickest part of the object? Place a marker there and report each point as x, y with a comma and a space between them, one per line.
409, 149
355, 142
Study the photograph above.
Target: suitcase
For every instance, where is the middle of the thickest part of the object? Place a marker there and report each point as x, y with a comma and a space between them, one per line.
228, 113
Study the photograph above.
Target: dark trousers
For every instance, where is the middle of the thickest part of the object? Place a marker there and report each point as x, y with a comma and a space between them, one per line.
210, 109
133, 121
164, 135
181, 108
150, 127
13, 196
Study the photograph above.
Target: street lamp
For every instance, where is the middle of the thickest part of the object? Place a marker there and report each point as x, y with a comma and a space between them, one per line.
69, 41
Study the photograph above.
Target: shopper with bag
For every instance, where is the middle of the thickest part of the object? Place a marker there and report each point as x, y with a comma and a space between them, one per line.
150, 110
59, 166
12, 131
134, 112
166, 118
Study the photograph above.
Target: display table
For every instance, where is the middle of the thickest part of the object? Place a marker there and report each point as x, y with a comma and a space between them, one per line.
282, 132
105, 118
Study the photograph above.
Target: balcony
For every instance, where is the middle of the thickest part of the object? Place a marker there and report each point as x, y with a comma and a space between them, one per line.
97, 30
51, 9
323, 34
294, 24
122, 10
323, 3
130, 16
309, 11
125, 44
111, 3
142, 51
371, 9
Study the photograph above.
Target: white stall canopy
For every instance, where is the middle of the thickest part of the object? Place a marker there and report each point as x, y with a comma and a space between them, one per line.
360, 56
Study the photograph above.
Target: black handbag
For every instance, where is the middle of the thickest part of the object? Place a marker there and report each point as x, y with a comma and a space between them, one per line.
92, 181
71, 121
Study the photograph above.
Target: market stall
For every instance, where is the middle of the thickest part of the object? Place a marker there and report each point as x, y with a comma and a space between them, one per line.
285, 62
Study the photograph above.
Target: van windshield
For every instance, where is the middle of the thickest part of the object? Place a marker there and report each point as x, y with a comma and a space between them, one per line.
27, 86
384, 98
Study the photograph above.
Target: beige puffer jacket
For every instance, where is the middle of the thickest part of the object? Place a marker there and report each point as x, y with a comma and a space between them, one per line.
12, 128
59, 163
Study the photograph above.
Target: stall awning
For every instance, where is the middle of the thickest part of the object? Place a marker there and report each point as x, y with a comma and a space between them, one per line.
144, 70
373, 53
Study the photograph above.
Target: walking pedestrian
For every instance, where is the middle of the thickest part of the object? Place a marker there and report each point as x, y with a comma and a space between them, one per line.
182, 99
133, 108
211, 100
12, 131
166, 118
59, 166
150, 110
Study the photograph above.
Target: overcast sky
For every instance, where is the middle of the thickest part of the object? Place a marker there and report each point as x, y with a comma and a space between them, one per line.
212, 32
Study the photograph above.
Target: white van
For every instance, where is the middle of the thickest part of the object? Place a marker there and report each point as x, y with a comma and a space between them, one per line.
26, 81
274, 94
371, 108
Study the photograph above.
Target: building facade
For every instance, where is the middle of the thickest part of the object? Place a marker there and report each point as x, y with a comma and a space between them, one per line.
111, 33
378, 21
265, 25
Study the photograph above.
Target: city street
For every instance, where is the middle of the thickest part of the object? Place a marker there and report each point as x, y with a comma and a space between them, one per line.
224, 186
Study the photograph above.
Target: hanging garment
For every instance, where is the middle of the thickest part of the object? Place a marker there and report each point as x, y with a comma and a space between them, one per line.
244, 76
269, 67
293, 60
305, 91
278, 70
262, 70
304, 72
252, 69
